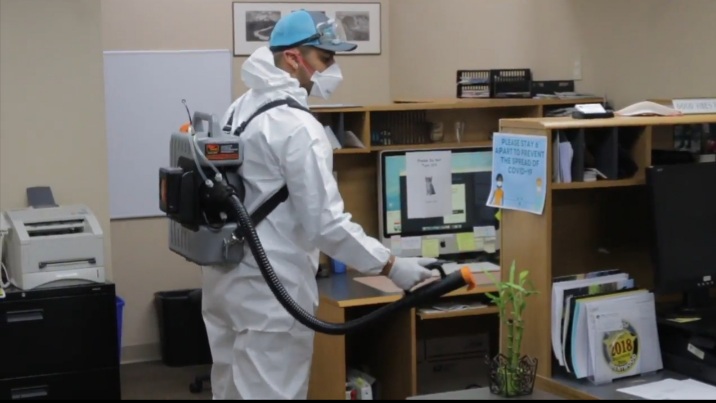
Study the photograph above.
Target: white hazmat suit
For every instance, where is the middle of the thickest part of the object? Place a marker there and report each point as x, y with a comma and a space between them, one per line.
260, 351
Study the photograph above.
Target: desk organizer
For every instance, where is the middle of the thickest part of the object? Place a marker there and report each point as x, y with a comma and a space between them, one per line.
494, 83
551, 87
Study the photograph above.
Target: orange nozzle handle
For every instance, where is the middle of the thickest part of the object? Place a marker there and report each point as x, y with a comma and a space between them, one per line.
184, 128
468, 277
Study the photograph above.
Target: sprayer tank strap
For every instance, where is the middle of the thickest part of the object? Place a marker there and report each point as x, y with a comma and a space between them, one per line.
279, 197
240, 129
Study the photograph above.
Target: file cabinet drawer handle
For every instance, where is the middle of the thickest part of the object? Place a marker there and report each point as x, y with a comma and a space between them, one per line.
25, 316
32, 392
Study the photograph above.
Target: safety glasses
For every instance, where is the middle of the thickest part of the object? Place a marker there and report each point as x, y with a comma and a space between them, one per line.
328, 33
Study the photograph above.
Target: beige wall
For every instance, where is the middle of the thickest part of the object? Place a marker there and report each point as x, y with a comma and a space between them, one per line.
641, 49
51, 77
424, 43
144, 263
431, 40
629, 50
52, 105
207, 24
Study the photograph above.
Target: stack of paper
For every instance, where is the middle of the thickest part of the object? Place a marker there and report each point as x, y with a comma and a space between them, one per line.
647, 108
562, 163
671, 389
452, 306
603, 328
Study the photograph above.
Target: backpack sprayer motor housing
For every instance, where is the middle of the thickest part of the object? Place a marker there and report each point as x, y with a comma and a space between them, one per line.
201, 229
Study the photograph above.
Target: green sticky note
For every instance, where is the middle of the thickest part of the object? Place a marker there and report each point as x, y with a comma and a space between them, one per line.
431, 247
499, 215
466, 242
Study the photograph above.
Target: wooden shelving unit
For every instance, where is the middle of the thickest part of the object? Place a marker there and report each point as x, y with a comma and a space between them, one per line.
598, 184
585, 226
408, 124
356, 167
390, 350
487, 310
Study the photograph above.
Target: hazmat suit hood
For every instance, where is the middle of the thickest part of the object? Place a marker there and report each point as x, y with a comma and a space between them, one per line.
266, 83
261, 75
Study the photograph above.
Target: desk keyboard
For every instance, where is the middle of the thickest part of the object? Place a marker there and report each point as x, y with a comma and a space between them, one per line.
475, 267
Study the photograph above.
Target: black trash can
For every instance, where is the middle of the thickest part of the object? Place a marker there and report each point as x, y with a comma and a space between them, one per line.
182, 333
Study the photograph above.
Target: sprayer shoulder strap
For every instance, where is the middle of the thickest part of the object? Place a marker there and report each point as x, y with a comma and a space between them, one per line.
242, 127
282, 195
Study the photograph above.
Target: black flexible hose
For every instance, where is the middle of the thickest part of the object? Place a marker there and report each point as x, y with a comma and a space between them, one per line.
434, 290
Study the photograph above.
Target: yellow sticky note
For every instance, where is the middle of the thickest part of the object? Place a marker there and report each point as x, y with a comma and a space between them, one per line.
499, 215
431, 247
466, 242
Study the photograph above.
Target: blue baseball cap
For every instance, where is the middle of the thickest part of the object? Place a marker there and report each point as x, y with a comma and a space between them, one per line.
309, 28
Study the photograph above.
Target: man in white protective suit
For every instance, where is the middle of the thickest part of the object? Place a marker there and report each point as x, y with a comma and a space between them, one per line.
259, 350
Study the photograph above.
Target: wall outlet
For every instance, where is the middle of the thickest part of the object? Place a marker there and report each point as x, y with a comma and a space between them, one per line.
577, 69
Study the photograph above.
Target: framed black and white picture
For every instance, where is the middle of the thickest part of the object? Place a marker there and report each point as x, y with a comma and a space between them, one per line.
253, 23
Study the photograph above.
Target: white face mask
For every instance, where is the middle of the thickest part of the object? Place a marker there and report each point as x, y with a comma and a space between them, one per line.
326, 82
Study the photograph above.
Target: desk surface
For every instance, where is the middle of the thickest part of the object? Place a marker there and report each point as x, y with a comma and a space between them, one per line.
483, 394
608, 391
343, 291
570, 123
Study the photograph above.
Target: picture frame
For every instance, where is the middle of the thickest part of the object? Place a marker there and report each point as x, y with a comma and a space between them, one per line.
253, 22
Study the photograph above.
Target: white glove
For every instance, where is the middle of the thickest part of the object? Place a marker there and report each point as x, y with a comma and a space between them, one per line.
407, 272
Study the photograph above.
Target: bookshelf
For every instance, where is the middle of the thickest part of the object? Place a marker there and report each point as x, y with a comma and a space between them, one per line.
356, 167
585, 226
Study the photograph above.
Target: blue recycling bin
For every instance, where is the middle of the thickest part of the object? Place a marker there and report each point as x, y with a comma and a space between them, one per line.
120, 315
338, 266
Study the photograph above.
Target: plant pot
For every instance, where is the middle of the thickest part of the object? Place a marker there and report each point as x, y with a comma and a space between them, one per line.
512, 381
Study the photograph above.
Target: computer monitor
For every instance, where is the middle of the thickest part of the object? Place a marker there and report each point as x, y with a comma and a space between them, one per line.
682, 201
471, 180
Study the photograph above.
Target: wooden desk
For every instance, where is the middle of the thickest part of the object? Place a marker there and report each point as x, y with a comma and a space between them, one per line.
484, 394
585, 226
388, 347
584, 390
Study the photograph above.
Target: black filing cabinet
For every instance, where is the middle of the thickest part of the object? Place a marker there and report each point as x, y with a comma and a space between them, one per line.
60, 343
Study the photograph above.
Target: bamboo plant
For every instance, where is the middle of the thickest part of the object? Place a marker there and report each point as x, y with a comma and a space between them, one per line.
511, 302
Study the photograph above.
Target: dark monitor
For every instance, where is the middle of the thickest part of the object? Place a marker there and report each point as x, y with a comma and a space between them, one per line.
683, 217
471, 180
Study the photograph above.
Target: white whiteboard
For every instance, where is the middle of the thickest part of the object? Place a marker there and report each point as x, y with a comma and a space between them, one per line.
143, 96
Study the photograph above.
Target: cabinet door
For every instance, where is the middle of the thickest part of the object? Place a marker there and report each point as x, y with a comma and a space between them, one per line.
100, 384
61, 334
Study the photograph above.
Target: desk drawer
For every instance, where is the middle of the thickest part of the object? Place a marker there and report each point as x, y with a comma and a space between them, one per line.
60, 334
100, 384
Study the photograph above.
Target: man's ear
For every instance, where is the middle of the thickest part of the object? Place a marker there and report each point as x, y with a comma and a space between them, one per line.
291, 59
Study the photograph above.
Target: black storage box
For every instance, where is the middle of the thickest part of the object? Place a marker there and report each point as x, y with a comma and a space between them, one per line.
182, 333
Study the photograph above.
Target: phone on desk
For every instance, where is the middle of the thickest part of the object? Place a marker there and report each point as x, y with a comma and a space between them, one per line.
591, 111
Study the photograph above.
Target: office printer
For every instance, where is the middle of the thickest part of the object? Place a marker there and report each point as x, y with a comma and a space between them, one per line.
54, 244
